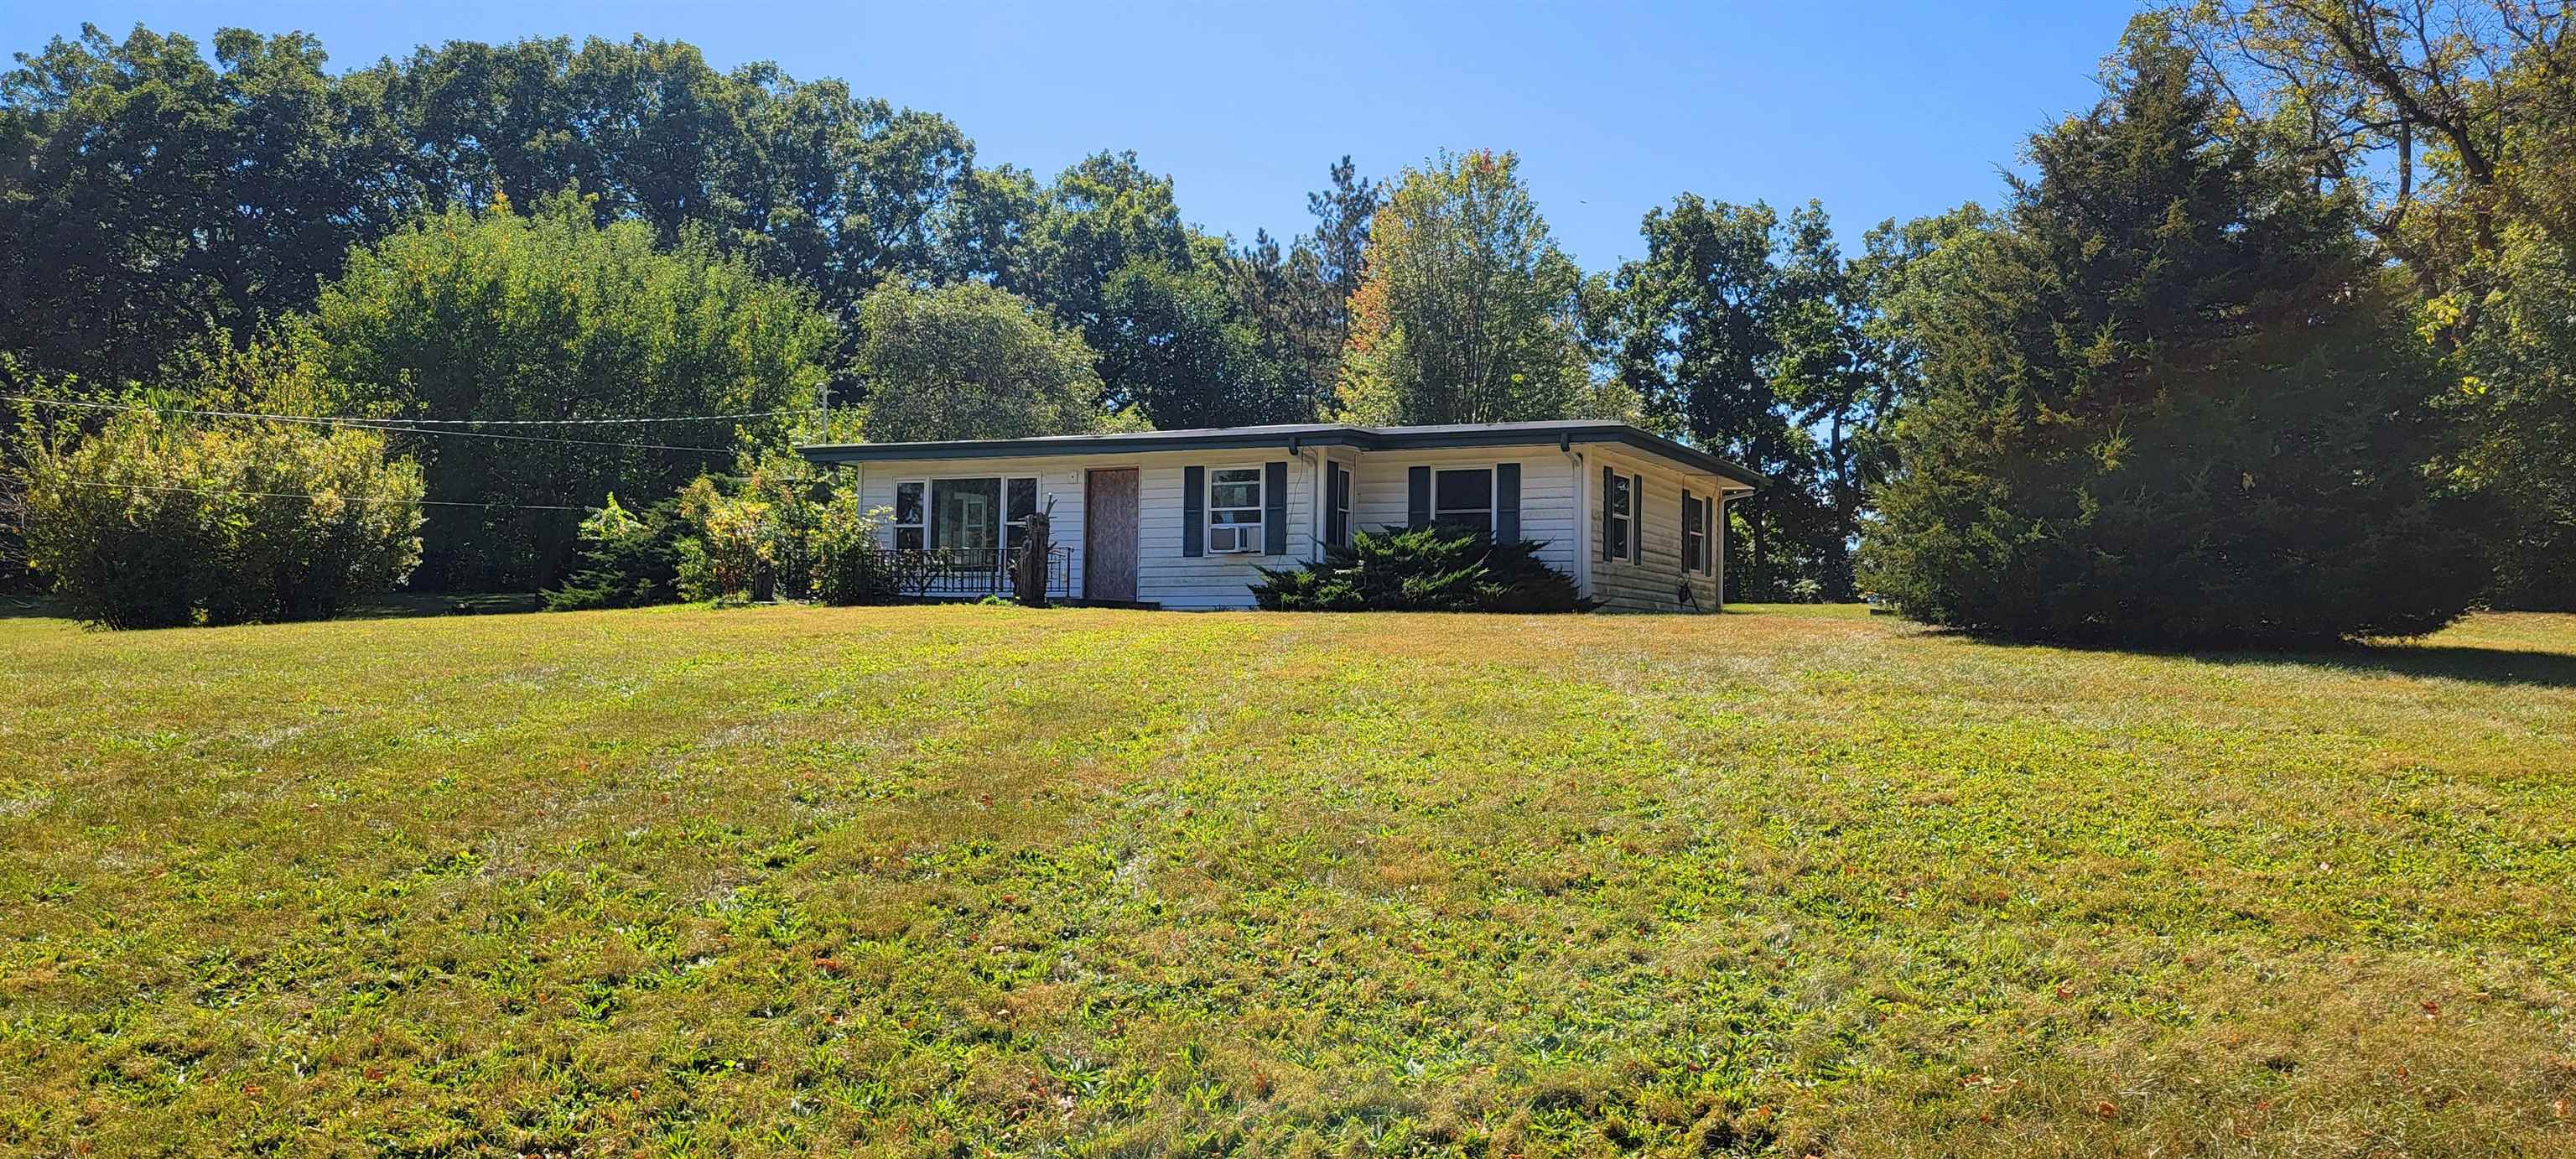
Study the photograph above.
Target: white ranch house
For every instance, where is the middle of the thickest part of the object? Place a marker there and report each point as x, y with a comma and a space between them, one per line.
1179, 519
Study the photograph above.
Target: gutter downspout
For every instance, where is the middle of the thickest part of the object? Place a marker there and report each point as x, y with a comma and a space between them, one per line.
1582, 515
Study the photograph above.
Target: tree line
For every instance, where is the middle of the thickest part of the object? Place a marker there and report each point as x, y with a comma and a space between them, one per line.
157, 196
2026, 404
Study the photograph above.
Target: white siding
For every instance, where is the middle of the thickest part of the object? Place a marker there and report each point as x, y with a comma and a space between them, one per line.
1163, 575
1059, 478
1554, 511
1379, 492
1652, 582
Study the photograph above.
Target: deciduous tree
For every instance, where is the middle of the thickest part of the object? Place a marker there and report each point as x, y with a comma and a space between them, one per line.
1468, 311
971, 361
550, 316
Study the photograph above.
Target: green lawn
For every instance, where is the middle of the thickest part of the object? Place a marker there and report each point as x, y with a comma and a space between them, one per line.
967, 880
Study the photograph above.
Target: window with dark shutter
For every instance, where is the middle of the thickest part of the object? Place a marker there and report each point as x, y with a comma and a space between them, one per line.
1694, 532
1618, 515
1637, 518
1463, 497
1337, 499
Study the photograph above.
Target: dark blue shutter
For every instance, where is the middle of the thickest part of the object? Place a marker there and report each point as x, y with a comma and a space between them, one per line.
1608, 550
1193, 511
1417, 496
1507, 503
1690, 551
1274, 509
1636, 519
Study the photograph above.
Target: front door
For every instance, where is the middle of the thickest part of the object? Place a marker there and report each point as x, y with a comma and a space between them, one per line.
1109, 535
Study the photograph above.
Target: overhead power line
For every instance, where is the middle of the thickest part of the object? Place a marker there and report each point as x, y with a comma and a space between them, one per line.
342, 498
748, 414
402, 426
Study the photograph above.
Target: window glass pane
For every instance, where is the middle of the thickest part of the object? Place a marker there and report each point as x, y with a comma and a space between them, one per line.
907, 539
965, 513
1463, 490
907, 502
1239, 487
1478, 520
1236, 515
1021, 501
1619, 494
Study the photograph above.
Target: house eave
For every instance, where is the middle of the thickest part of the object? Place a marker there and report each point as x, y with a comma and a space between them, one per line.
1561, 435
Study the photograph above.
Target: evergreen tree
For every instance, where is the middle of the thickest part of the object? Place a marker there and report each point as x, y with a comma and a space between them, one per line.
2174, 402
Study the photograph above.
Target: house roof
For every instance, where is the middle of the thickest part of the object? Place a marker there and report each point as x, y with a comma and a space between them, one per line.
1295, 435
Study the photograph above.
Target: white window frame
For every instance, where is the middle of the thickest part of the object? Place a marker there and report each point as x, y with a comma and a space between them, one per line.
1259, 509
1340, 472
1704, 507
1001, 509
1622, 517
920, 512
1493, 492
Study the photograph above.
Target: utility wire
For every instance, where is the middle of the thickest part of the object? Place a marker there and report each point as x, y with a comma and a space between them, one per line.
397, 425
749, 414
342, 498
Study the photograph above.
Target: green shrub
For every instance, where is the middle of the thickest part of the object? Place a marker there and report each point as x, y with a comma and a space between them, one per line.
773, 534
628, 559
848, 565
153, 522
1422, 569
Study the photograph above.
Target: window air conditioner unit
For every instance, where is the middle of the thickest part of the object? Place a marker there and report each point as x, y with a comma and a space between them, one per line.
1233, 538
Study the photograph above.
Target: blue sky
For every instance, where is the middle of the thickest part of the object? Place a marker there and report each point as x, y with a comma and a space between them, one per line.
1880, 110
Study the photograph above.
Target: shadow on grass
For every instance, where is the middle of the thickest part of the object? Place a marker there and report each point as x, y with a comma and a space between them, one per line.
2431, 661
405, 605
31, 607
2502, 666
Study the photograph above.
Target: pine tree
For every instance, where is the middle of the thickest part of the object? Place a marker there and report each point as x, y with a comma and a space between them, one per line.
2174, 403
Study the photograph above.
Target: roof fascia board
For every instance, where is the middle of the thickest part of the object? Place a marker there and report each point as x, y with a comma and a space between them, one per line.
1356, 437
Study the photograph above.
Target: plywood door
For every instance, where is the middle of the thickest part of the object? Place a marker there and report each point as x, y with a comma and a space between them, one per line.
1109, 535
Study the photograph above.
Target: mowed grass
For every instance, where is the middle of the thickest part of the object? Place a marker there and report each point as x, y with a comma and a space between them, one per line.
968, 880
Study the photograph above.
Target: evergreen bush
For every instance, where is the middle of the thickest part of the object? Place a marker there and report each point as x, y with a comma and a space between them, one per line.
628, 559
1433, 568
